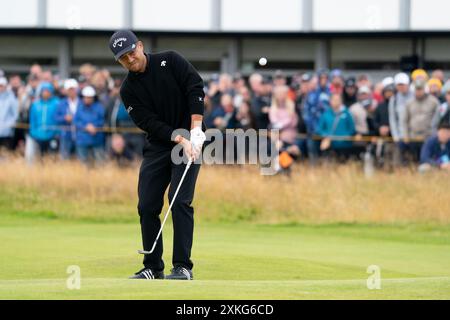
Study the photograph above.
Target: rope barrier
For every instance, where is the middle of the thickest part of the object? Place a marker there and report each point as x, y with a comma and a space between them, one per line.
357, 138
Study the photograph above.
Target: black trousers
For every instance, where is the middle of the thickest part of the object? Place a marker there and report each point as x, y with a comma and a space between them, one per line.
157, 172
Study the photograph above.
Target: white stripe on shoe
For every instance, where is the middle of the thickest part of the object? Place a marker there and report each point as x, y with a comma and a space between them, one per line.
148, 274
186, 273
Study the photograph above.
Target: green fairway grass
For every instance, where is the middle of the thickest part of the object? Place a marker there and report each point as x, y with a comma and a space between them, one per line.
232, 261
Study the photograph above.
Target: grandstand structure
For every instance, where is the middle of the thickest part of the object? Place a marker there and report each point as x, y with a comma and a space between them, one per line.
363, 36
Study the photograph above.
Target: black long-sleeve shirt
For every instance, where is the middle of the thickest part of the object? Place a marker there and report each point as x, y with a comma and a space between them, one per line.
163, 97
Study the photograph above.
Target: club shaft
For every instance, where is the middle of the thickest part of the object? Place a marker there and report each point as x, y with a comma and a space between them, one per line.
168, 210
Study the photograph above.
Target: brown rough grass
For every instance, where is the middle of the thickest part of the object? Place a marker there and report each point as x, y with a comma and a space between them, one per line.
312, 195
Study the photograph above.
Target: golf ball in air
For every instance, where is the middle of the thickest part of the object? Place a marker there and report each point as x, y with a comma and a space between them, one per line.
262, 61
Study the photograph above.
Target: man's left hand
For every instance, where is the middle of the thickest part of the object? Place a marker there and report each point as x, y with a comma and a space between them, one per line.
198, 138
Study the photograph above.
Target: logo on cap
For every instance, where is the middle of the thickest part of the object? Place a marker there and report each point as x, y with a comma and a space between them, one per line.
119, 42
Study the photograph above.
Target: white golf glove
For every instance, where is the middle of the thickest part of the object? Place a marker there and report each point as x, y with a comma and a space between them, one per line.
198, 138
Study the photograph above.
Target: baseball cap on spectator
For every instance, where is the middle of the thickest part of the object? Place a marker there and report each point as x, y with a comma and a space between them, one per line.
306, 77
237, 77
70, 84
215, 78
82, 79
401, 78
3, 81
88, 92
419, 73
350, 82
434, 81
336, 73
364, 90
122, 42
46, 86
322, 72
387, 82
279, 75
267, 80
420, 84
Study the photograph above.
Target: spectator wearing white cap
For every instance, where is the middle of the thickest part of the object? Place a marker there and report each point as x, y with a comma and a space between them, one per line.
65, 115
88, 120
8, 114
397, 106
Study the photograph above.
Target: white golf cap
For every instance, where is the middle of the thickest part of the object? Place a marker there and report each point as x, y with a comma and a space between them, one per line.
387, 82
3, 81
88, 92
71, 84
402, 78
364, 90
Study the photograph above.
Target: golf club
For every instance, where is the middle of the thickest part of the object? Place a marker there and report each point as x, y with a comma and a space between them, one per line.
168, 211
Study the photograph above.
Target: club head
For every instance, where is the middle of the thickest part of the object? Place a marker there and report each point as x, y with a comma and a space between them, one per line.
144, 252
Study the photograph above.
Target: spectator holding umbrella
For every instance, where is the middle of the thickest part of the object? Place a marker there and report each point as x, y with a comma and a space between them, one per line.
89, 119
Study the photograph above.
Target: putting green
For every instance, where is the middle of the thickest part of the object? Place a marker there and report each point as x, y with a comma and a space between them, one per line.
232, 261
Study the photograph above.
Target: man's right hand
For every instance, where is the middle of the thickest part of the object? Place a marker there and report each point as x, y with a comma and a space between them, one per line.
187, 147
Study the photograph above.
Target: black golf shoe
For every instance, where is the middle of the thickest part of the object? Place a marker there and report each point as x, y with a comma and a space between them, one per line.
148, 274
180, 273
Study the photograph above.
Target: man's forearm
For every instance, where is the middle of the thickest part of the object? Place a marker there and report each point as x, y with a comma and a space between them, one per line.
196, 120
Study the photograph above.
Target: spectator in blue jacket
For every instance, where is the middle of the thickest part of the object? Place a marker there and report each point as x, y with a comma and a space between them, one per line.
9, 112
90, 117
64, 115
436, 150
43, 132
317, 102
336, 121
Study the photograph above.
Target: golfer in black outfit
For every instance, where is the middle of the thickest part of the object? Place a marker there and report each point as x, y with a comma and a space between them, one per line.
163, 92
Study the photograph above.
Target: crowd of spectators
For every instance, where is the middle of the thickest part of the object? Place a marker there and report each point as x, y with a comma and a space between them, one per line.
402, 120
81, 118
320, 116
